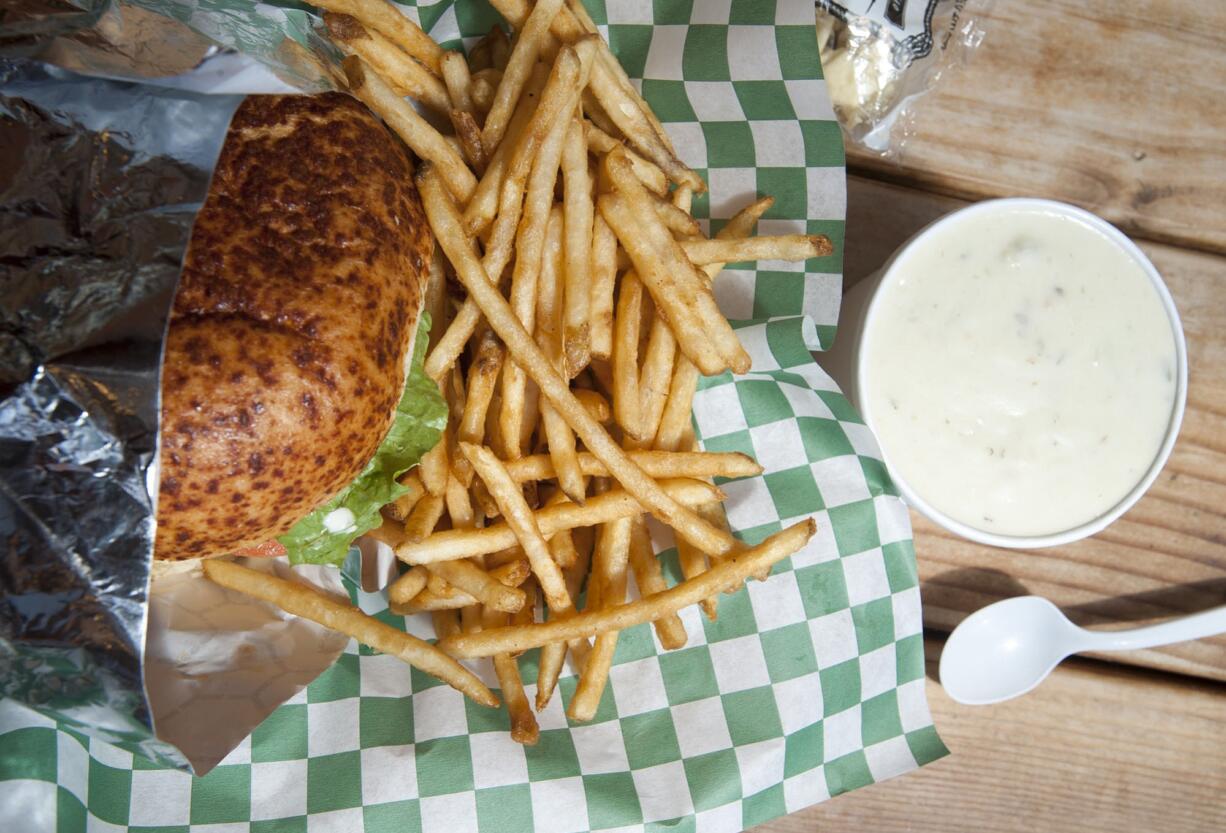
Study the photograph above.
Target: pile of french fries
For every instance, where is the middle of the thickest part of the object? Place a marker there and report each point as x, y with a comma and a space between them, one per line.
573, 313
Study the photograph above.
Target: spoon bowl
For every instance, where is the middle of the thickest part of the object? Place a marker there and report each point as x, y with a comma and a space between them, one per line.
1004, 650
1008, 648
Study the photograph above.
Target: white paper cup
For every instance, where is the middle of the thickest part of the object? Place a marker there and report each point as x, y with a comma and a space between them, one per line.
845, 363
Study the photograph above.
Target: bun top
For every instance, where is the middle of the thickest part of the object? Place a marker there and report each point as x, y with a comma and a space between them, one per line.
293, 324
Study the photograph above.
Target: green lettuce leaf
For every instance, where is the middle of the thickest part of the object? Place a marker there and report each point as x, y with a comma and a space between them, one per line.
416, 428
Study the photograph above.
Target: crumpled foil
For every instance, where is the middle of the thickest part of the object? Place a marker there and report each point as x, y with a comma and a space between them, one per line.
100, 182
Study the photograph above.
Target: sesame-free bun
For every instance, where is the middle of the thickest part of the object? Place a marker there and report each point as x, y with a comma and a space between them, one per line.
292, 327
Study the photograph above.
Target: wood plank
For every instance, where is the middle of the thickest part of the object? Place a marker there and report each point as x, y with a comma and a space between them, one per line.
1094, 749
1115, 105
1164, 557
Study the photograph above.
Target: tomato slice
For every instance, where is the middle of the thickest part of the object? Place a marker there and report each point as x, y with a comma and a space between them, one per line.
268, 549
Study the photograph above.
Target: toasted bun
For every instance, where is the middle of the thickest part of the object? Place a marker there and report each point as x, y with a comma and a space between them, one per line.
292, 327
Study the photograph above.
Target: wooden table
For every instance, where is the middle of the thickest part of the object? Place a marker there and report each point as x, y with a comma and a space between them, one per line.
1119, 107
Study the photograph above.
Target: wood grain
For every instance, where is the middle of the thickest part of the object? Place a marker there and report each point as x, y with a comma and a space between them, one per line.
1164, 557
1095, 748
1115, 105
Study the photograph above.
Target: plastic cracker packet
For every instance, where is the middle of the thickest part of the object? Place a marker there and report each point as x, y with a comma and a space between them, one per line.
880, 57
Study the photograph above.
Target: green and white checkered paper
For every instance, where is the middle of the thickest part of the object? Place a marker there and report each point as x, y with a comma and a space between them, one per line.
809, 684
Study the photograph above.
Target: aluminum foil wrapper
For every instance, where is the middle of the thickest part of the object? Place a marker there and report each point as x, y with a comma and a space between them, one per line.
100, 182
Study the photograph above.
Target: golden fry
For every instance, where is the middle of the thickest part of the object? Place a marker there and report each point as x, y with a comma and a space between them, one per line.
609, 581
405, 75
301, 600
390, 22
604, 281
458, 80
466, 543
779, 247
627, 326
408, 585
729, 573
468, 578
580, 210
658, 464
519, 66
594, 404
676, 285
524, 728
416, 132
423, 518
650, 579
403, 505
523, 522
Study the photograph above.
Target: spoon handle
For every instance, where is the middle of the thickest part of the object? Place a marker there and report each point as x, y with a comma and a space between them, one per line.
1197, 626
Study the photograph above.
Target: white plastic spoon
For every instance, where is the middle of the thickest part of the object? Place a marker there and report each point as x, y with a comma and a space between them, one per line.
1008, 648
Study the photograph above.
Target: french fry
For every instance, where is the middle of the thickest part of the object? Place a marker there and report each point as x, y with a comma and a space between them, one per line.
524, 728
445, 221
469, 135
676, 286
500, 48
468, 578
604, 280
438, 586
585, 20
400, 508
778, 247
389, 532
559, 437
308, 603
416, 132
562, 548
548, 669
650, 579
594, 404
741, 225
435, 465
519, 65
408, 585
580, 210
627, 403
470, 619
466, 543
693, 563
458, 81
525, 279
523, 522
609, 575
678, 408
423, 518
482, 91
405, 75
445, 596
657, 464
679, 222
446, 622
677, 303
728, 574
655, 378
651, 176
482, 378
480, 211
390, 22
459, 503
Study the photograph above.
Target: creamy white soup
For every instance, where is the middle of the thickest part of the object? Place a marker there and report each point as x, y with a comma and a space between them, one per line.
1020, 372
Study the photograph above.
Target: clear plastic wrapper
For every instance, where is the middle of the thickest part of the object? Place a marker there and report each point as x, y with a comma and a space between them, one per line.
880, 58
